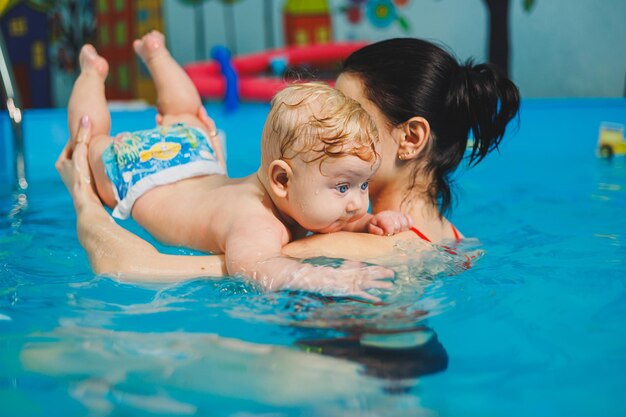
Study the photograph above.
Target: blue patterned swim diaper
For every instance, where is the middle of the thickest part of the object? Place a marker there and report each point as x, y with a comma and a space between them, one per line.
136, 162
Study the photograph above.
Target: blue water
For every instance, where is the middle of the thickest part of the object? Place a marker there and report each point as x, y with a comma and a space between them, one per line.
535, 327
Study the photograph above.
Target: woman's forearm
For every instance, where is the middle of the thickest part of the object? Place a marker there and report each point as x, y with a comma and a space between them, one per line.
346, 245
116, 252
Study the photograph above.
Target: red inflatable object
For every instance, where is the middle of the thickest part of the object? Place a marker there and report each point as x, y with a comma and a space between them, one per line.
254, 85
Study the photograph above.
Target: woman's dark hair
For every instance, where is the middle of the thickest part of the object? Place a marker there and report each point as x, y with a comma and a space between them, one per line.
411, 77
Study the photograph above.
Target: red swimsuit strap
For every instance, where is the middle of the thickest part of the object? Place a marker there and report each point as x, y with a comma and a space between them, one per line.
467, 264
456, 233
420, 234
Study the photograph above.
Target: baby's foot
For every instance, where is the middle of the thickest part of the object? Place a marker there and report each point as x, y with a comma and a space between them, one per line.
91, 62
150, 46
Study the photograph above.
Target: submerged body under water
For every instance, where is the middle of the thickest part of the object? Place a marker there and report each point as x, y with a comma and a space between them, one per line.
534, 327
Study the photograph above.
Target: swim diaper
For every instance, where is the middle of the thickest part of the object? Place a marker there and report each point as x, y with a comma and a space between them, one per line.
136, 162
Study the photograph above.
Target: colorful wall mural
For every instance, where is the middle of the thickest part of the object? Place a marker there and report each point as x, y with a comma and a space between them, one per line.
44, 37
379, 13
118, 23
26, 30
307, 22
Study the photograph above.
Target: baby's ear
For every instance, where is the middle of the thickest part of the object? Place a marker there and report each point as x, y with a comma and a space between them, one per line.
279, 174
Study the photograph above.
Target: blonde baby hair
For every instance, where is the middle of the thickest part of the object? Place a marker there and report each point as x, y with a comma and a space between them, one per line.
317, 119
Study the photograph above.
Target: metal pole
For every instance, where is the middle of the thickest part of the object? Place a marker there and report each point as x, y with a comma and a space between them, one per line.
268, 14
229, 27
201, 51
14, 105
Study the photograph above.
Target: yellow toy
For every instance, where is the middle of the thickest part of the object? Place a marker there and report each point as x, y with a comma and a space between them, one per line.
611, 140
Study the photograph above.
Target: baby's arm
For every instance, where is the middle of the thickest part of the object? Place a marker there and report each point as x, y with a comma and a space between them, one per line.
253, 248
384, 223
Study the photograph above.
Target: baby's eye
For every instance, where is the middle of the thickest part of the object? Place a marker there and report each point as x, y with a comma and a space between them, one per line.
365, 185
342, 188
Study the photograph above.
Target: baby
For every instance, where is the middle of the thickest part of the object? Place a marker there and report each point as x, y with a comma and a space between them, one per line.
318, 153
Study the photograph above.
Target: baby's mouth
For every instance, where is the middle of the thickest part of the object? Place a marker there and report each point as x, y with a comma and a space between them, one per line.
334, 227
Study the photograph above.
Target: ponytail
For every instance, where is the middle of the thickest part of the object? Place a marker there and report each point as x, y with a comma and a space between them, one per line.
481, 101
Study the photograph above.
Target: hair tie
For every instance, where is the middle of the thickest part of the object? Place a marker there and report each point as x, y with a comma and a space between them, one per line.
466, 70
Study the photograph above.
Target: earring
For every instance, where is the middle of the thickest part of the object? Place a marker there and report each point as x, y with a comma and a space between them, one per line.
406, 155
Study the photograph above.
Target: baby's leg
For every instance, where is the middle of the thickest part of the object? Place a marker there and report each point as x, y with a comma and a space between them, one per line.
177, 98
88, 99
176, 94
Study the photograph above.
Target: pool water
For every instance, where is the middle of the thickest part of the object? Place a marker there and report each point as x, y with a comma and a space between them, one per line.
535, 327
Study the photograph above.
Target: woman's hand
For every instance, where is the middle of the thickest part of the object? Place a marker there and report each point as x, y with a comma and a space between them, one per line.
214, 139
74, 169
209, 125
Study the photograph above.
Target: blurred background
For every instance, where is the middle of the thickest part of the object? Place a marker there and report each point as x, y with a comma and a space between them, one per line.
550, 48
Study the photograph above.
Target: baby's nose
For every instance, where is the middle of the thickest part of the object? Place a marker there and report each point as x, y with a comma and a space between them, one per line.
352, 213
354, 206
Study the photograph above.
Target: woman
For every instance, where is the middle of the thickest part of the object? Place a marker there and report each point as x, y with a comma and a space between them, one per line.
424, 104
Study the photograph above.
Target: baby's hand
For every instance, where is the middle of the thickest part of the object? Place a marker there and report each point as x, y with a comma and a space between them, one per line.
388, 222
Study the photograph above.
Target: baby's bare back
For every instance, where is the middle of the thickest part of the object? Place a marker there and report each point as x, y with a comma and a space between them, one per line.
197, 212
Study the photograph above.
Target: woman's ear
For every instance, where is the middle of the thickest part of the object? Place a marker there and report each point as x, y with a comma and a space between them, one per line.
416, 135
279, 175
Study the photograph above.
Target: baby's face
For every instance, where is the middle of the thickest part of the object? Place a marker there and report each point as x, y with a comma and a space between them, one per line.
325, 196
